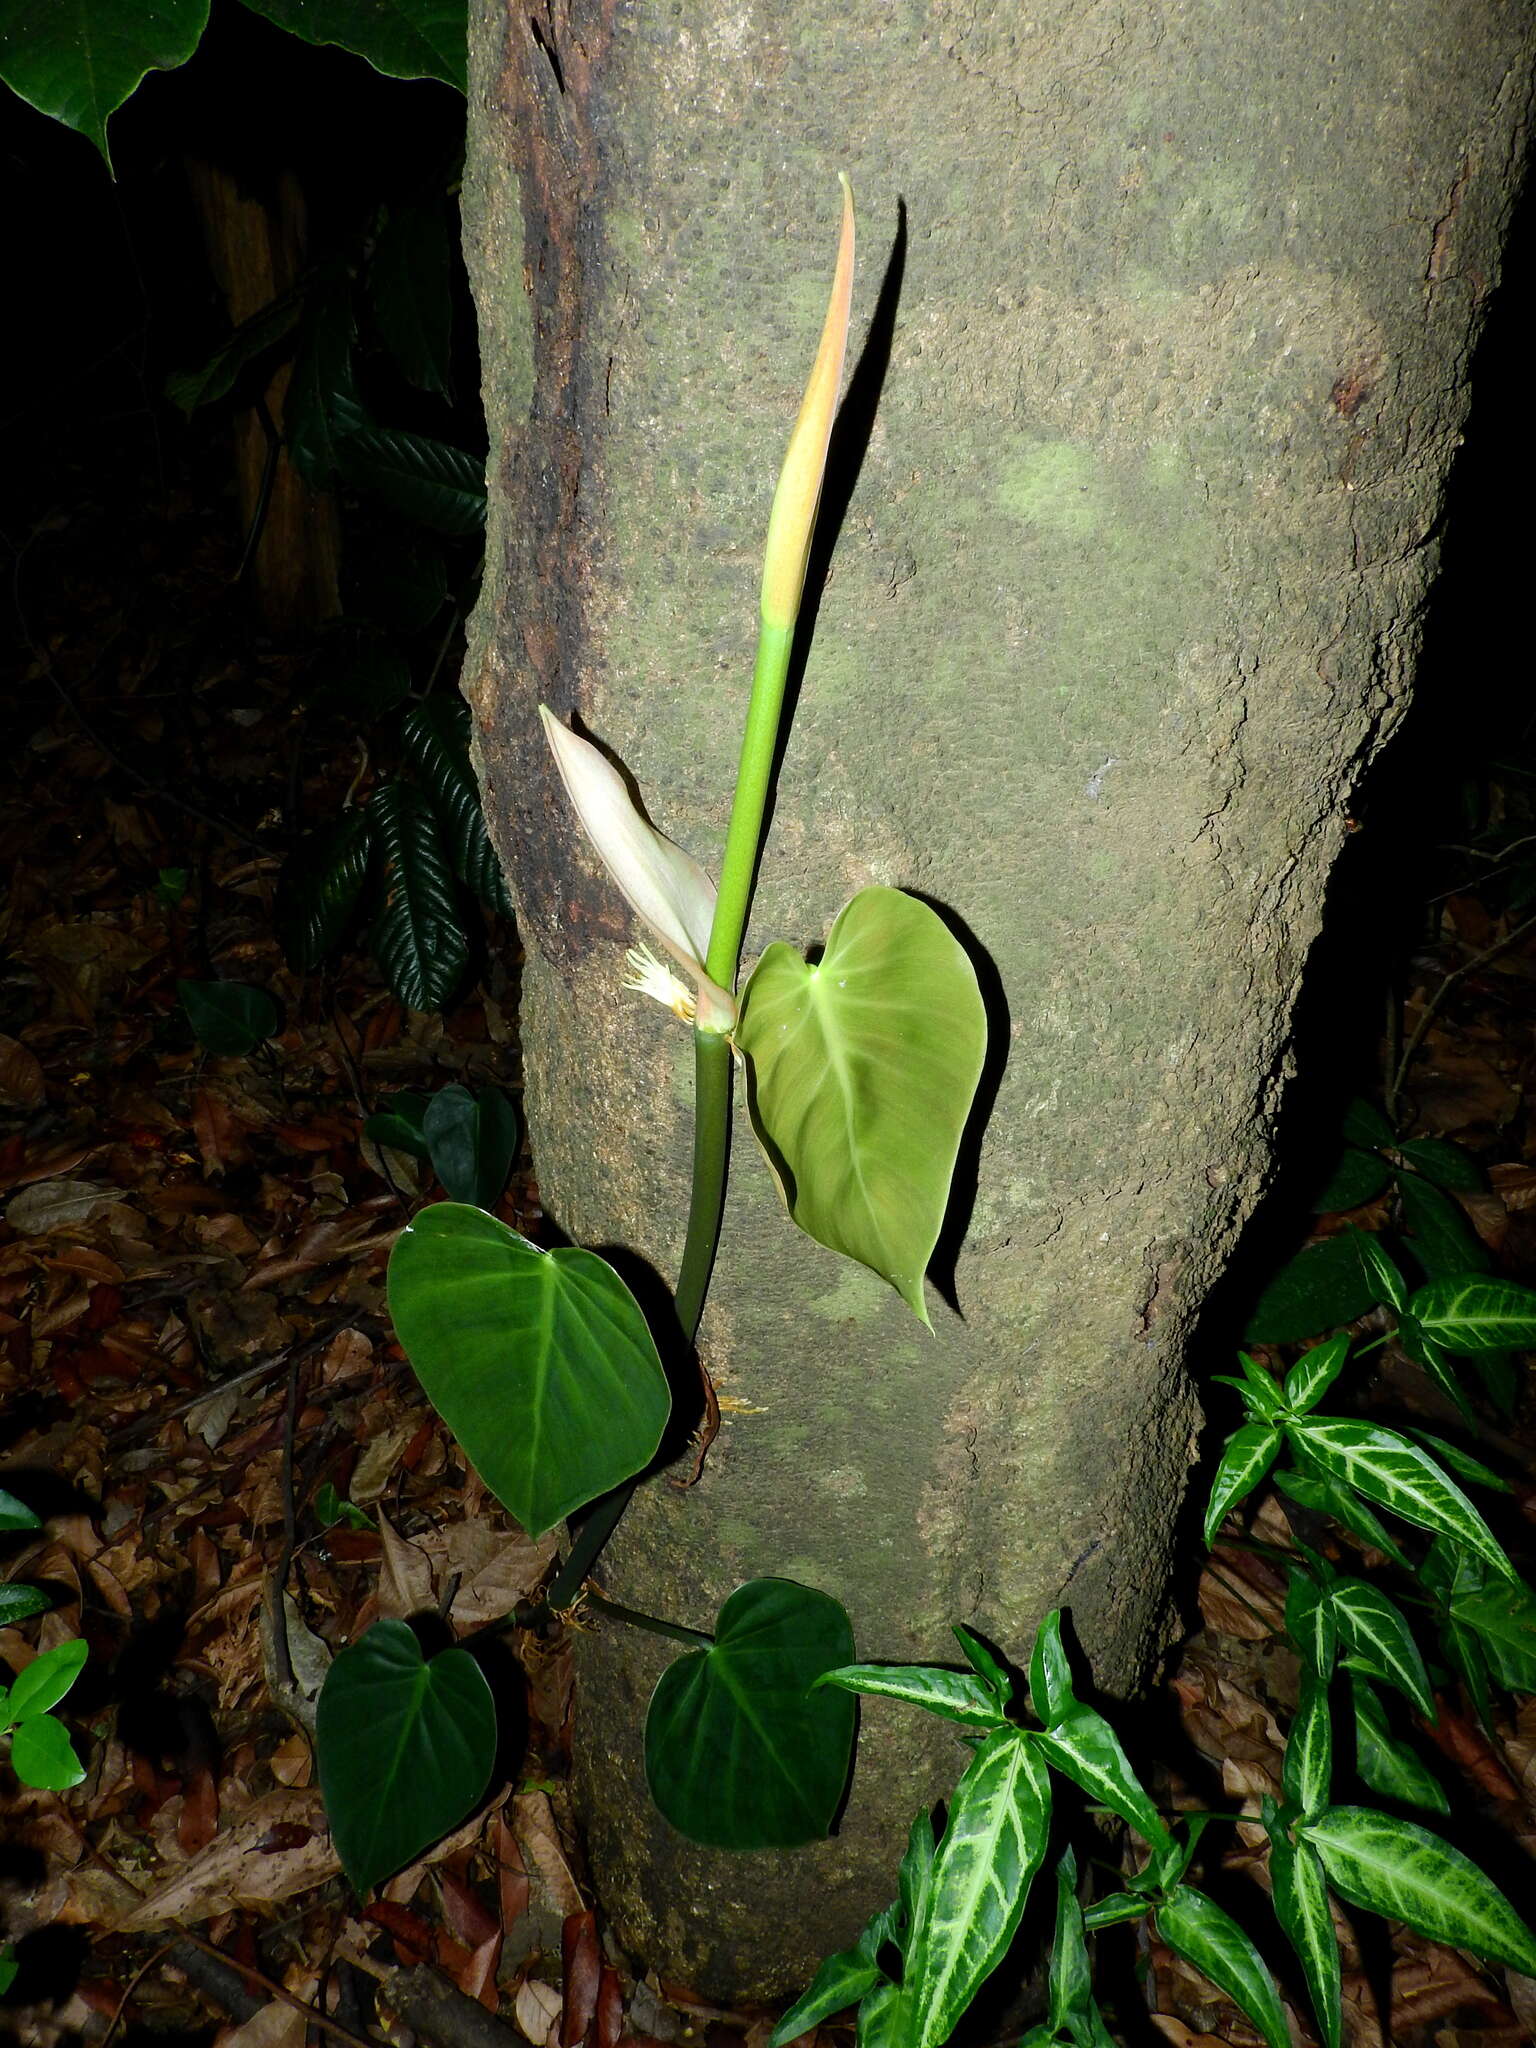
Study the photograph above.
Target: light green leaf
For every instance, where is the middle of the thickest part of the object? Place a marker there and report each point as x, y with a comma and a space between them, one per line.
1301, 1907
1473, 1315
862, 1070
1071, 1985
998, 1682
1309, 1620
43, 1755
1085, 1748
418, 936
1384, 1763
1315, 1372
1391, 1287
46, 1680
999, 1827
428, 481
1197, 1929
956, 1695
1393, 1867
1308, 1766
78, 60
1376, 1628
1050, 1674
405, 1748
842, 1980
1396, 1474
1114, 1908
539, 1362
1325, 1496
1249, 1453
742, 1749
401, 38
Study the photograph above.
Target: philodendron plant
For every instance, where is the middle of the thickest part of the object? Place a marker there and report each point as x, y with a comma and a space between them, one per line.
862, 1069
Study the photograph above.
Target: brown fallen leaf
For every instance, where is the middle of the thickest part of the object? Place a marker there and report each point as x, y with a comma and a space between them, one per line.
405, 1579
533, 1822
21, 1076
241, 1867
537, 2012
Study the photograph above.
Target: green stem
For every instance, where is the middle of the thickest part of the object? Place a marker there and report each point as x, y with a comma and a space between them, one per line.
711, 1057
744, 836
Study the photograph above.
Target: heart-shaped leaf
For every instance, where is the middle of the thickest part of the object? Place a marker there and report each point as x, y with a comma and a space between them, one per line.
405, 1748
539, 1362
863, 1069
740, 1753
228, 1018
472, 1140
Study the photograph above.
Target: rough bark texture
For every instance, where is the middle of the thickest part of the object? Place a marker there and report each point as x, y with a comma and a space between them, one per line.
1123, 600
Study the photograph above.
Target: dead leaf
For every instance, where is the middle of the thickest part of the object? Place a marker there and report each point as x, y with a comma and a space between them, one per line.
278, 1848
21, 1076
375, 1468
405, 1580
57, 1205
533, 1822
537, 2012
276, 2025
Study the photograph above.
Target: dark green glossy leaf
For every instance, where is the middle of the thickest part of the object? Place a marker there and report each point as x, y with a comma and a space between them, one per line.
17, 1602
1441, 1239
15, 1514
401, 38
321, 887
1461, 1462
228, 1018
1472, 1315
428, 481
405, 1748
1376, 1629
1302, 1908
1390, 1285
1114, 1909
1197, 1929
1249, 1453
43, 1755
539, 1362
218, 374
1394, 1867
1385, 1764
322, 405
1364, 1125
998, 1831
1315, 1372
408, 287
742, 1749
1356, 1177
400, 583
360, 676
418, 936
1447, 1165
78, 62
1444, 1371
955, 1695
397, 1123
1396, 1474
1323, 1286
472, 1139
436, 739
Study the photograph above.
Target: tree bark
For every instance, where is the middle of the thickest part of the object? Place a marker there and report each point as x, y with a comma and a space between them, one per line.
1165, 314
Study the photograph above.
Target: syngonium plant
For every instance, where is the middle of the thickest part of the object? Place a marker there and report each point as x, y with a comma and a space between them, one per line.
861, 1067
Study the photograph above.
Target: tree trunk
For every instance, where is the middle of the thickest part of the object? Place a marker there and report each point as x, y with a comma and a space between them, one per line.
1165, 313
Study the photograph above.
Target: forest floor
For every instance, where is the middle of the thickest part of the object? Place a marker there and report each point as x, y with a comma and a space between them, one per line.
237, 1474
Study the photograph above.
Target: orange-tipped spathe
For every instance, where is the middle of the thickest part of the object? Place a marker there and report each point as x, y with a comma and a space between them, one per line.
799, 492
